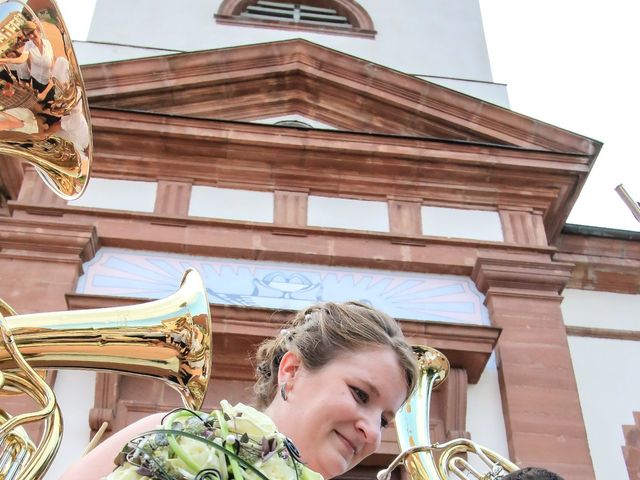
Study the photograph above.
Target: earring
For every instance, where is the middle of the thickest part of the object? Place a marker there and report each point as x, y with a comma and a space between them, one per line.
283, 391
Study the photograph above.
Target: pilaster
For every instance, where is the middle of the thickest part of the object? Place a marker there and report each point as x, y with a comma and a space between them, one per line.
290, 208
523, 227
540, 399
172, 198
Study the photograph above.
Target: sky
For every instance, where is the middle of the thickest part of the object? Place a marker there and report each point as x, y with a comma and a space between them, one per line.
575, 64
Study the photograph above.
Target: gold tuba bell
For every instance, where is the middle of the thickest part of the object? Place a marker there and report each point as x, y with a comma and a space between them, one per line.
44, 117
419, 455
167, 339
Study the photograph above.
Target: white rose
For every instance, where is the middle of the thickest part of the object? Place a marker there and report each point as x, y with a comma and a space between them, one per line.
276, 467
199, 453
251, 421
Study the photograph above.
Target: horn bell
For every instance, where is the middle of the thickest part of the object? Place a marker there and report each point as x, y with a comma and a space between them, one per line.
167, 339
44, 115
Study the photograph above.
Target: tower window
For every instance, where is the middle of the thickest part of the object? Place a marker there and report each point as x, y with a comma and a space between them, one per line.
345, 17
295, 12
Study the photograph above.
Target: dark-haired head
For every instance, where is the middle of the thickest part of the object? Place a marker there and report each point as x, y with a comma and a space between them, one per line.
532, 473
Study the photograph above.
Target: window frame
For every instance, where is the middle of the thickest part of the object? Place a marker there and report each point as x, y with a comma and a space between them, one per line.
361, 23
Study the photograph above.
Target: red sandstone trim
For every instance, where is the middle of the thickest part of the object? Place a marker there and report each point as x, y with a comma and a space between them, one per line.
608, 333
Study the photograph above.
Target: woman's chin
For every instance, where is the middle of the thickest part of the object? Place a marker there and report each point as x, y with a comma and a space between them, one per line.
330, 466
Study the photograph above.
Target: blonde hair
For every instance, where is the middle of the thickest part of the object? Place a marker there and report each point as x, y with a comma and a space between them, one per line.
29, 26
320, 333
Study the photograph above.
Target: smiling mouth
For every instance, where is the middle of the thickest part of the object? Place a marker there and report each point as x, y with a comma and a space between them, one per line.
347, 443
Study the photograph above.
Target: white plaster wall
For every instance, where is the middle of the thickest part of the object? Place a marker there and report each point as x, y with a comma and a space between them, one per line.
437, 38
130, 195
346, 213
485, 419
74, 391
461, 223
585, 308
231, 204
495, 93
607, 375
418, 37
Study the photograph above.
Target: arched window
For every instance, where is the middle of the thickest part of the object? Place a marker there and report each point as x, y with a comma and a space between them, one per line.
328, 16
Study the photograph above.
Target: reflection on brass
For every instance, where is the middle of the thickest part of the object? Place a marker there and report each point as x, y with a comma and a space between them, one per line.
168, 339
44, 117
412, 427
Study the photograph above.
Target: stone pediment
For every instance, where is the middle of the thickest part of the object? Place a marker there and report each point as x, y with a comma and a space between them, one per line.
296, 77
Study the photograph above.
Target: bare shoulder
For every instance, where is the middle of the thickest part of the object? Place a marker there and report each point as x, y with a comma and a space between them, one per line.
98, 463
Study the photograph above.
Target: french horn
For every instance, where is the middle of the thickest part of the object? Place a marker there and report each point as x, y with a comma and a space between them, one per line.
44, 116
425, 460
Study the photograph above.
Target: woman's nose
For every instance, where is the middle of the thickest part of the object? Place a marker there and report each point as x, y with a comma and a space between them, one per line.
369, 426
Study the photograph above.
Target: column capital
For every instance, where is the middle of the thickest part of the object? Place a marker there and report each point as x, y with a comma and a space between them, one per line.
59, 242
520, 276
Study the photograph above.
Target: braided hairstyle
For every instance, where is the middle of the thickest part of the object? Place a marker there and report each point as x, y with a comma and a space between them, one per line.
320, 333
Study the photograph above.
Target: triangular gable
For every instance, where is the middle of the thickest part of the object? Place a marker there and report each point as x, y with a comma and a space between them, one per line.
297, 77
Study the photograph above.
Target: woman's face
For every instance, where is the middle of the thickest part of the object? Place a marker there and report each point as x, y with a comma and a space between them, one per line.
334, 415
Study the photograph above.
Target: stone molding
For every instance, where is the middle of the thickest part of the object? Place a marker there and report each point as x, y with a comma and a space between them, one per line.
199, 78
520, 276
610, 333
143, 146
39, 239
601, 263
275, 242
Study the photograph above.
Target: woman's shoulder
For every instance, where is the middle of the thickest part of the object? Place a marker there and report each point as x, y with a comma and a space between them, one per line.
98, 463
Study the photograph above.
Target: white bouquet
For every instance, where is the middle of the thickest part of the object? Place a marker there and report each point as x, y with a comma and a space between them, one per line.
234, 443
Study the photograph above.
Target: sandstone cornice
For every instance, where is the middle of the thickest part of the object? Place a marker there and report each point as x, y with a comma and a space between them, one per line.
147, 146
521, 277
55, 241
605, 264
140, 84
271, 242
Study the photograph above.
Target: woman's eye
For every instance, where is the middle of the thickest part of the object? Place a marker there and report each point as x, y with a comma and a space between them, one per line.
361, 395
384, 423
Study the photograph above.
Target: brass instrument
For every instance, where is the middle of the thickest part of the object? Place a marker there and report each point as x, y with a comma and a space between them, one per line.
167, 339
44, 119
44, 116
412, 426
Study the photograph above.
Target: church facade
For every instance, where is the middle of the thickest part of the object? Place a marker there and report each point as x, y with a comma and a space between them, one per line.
329, 151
